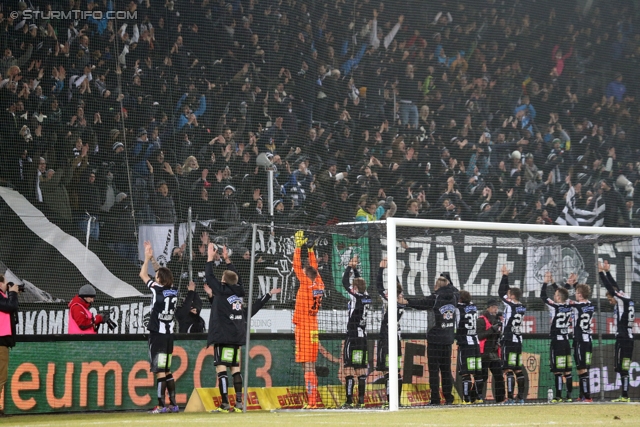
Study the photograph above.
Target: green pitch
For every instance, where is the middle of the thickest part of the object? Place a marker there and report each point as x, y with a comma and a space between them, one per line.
533, 415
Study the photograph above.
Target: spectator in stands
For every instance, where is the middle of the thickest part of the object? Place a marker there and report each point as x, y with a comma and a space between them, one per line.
188, 314
341, 104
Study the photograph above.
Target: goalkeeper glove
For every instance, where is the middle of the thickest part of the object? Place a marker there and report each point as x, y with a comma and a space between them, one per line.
299, 239
311, 244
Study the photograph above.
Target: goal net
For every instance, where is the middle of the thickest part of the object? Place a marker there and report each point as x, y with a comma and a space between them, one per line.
473, 255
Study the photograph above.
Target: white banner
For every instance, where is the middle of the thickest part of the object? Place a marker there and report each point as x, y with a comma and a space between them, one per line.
636, 259
162, 238
560, 258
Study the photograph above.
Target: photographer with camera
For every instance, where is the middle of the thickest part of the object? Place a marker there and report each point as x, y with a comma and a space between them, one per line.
489, 328
8, 319
81, 320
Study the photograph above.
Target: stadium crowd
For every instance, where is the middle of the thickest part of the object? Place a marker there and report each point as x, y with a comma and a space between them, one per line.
470, 109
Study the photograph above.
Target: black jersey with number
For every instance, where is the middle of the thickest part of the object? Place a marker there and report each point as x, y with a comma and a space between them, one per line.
624, 310
582, 315
163, 307
513, 314
358, 306
560, 316
228, 319
466, 320
384, 325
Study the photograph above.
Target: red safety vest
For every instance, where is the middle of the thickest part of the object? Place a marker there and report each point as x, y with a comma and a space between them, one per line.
74, 329
487, 325
5, 321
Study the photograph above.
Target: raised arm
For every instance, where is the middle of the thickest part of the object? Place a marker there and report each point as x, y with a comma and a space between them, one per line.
607, 280
380, 282
548, 279
299, 241
392, 34
212, 280
504, 283
257, 306
144, 270
297, 263
426, 303
183, 311
347, 274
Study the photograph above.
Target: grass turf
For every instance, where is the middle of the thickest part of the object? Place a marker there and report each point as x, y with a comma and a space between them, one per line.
526, 415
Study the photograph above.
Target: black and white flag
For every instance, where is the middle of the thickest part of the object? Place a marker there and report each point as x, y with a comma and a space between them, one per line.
571, 215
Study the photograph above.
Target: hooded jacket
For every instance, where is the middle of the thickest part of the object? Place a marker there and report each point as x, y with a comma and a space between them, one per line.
187, 321
443, 305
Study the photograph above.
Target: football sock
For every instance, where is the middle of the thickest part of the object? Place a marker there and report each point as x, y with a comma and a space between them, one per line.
237, 385
520, 382
349, 388
171, 388
625, 384
568, 381
386, 381
311, 382
362, 385
466, 387
162, 390
585, 385
478, 387
510, 384
558, 377
223, 386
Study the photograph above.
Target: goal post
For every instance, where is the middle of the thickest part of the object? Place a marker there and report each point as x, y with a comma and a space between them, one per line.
392, 225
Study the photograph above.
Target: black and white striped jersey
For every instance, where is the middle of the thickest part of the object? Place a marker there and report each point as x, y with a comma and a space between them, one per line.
358, 307
466, 320
163, 306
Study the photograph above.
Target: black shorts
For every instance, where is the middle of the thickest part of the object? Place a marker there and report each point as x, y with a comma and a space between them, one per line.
355, 353
160, 351
511, 353
624, 351
582, 354
469, 360
382, 359
560, 356
226, 355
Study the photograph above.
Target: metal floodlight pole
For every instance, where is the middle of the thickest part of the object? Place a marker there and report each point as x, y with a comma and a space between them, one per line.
245, 398
392, 314
270, 184
190, 245
597, 285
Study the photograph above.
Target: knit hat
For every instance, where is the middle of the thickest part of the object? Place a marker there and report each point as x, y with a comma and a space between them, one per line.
87, 291
116, 145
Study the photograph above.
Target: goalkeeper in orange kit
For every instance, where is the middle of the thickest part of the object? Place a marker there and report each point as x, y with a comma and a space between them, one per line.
305, 316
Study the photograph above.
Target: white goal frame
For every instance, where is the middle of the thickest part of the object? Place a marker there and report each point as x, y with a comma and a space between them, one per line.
392, 267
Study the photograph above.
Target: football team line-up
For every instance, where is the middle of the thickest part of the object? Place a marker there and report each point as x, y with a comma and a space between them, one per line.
488, 341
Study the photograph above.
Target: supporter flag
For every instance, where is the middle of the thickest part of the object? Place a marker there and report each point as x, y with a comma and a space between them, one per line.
571, 215
558, 257
344, 249
161, 237
636, 259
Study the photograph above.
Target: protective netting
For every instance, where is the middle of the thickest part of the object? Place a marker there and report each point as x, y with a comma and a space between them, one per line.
473, 260
121, 117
